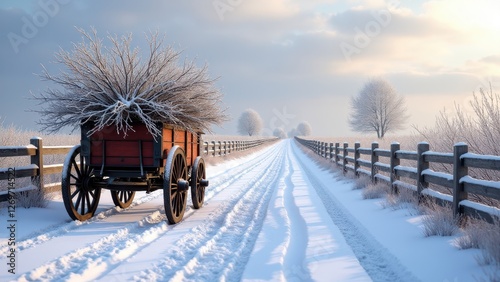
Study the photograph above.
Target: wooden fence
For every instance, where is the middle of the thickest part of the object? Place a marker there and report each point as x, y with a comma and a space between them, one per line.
36, 170
366, 161
221, 148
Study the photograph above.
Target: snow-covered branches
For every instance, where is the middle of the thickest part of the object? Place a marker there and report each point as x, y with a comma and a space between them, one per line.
250, 123
115, 86
378, 108
304, 129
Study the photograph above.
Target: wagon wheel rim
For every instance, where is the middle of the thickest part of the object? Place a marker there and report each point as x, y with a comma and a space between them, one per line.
122, 199
198, 175
80, 195
175, 192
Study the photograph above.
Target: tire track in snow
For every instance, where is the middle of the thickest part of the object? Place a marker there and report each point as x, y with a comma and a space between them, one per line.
64, 228
377, 261
294, 265
102, 256
219, 249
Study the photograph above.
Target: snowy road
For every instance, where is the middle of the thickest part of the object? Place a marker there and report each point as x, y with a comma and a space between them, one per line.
269, 216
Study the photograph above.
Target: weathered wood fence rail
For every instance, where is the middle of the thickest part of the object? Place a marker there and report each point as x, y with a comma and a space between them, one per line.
459, 181
37, 169
221, 148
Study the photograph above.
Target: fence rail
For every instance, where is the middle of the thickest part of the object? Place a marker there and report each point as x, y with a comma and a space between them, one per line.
221, 148
37, 169
356, 159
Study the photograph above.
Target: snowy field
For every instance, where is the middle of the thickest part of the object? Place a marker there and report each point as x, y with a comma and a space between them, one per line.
273, 215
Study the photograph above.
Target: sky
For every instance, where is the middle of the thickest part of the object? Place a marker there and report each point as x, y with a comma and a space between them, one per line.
289, 60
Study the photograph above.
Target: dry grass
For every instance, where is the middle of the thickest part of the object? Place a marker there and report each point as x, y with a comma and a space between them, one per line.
439, 220
361, 182
404, 199
485, 236
376, 191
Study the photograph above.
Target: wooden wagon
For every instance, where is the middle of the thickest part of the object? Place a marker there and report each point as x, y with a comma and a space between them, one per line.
137, 162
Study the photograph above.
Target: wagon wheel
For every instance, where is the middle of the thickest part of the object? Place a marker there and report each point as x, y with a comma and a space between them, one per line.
79, 194
122, 199
175, 185
198, 182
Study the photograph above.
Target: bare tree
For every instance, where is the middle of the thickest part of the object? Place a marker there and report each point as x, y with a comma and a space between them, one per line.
250, 123
304, 129
378, 108
113, 85
280, 133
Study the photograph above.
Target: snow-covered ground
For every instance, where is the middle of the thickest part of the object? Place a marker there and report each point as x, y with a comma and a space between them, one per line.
271, 216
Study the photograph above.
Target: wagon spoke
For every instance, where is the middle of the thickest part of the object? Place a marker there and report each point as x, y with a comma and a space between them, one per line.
80, 203
77, 191
87, 195
77, 169
178, 204
75, 177
78, 200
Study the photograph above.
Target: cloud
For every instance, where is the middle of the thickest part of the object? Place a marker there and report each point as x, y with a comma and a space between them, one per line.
272, 54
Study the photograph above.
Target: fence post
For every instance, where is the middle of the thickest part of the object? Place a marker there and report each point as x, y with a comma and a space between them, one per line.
356, 157
344, 161
215, 150
459, 171
337, 151
331, 151
225, 148
37, 159
374, 159
422, 165
394, 162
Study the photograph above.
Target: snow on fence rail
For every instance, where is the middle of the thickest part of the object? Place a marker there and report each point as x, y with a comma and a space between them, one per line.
460, 182
36, 151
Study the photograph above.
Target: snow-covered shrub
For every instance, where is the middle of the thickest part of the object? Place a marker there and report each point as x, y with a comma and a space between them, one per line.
439, 220
485, 236
362, 182
375, 191
34, 198
114, 85
473, 232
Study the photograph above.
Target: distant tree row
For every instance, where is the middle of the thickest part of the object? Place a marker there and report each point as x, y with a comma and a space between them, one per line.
250, 123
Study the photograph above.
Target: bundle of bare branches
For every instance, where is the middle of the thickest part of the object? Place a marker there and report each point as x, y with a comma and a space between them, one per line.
115, 86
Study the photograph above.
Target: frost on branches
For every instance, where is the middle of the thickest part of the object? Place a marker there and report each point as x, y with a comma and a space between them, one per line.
114, 86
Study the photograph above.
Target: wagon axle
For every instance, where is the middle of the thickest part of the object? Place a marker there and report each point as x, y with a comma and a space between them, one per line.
182, 185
